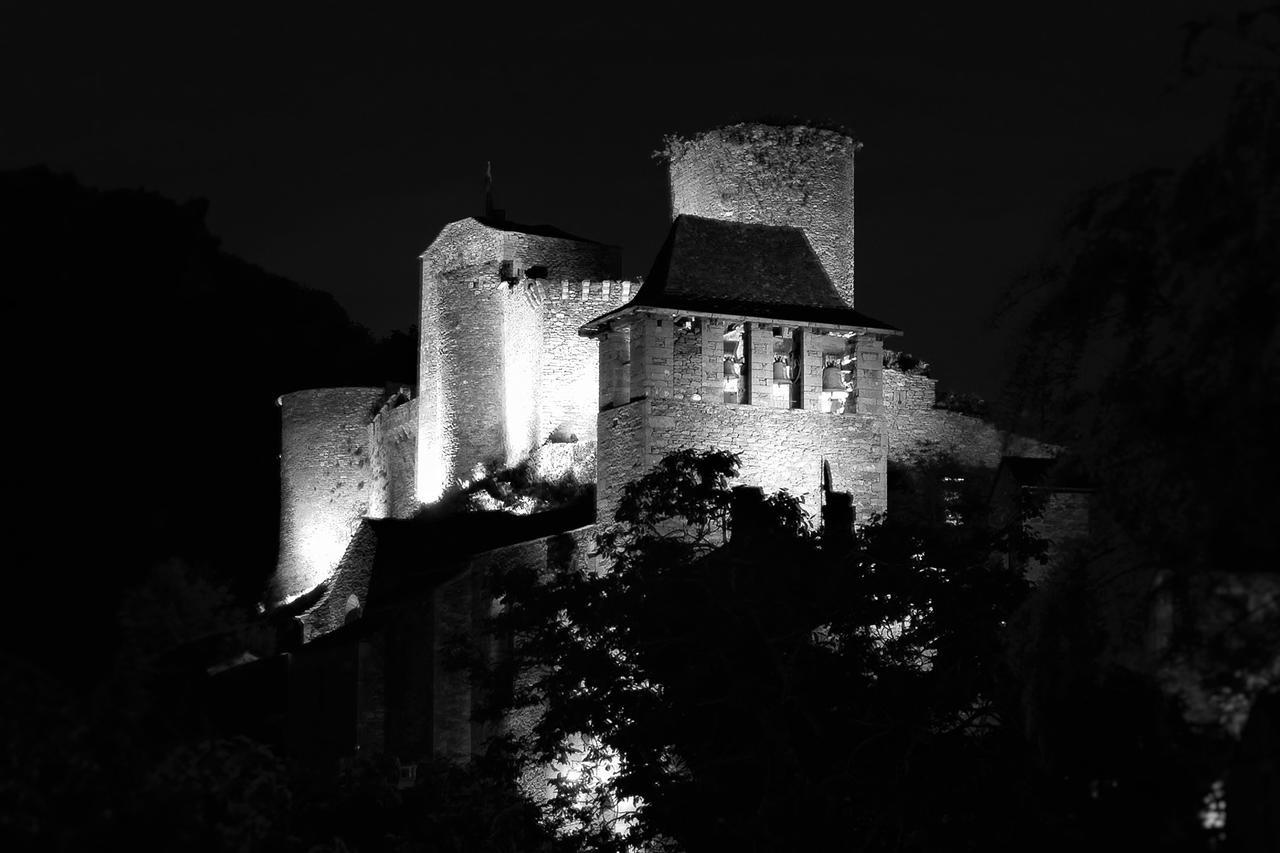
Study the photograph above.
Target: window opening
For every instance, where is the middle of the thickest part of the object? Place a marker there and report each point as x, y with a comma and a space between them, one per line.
735, 364
837, 367
786, 369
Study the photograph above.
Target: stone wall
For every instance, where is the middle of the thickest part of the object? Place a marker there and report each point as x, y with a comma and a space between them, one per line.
688, 381
393, 442
614, 355
521, 363
561, 259
908, 392
460, 342
460, 607
326, 481
771, 175
568, 383
472, 390
780, 448
457, 610
500, 364
622, 454
677, 377
371, 696
322, 681
348, 585
915, 427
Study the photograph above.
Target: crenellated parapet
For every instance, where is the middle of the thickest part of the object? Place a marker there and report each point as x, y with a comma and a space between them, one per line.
597, 293
570, 364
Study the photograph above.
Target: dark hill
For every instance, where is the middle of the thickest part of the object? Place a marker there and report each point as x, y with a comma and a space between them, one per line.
143, 364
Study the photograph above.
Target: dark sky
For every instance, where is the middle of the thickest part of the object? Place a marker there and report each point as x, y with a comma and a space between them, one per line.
333, 144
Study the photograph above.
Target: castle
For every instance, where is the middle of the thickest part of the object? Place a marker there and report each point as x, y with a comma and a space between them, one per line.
744, 336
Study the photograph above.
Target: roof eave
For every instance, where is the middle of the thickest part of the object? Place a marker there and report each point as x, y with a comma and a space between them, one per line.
599, 325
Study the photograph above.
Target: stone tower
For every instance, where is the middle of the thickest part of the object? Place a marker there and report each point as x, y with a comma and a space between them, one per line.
739, 341
325, 482
768, 174
485, 393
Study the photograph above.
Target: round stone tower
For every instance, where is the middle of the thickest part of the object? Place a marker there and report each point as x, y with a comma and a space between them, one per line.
325, 482
772, 175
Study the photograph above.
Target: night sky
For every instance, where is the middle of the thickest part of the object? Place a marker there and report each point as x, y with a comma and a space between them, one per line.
334, 144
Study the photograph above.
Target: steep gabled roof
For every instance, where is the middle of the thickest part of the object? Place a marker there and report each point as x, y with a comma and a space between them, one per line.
714, 267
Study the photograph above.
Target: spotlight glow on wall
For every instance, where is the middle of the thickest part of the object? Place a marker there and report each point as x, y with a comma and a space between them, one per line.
520, 414
587, 769
432, 472
321, 548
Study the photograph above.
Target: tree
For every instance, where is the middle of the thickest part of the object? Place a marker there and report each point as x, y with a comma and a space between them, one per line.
1149, 344
768, 692
1150, 348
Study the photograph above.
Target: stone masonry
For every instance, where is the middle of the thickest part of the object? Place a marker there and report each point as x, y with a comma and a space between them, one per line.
770, 175
325, 481
501, 368
675, 401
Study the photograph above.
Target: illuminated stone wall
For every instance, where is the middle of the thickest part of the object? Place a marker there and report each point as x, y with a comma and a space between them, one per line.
780, 448
770, 175
521, 366
326, 481
678, 368
393, 442
561, 259
500, 363
622, 454
686, 363
907, 392
456, 352
569, 375
348, 585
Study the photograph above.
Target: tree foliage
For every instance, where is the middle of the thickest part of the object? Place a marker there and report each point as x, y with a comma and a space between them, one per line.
769, 693
1150, 346
1150, 343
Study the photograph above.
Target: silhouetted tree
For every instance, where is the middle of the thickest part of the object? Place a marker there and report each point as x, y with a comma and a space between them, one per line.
766, 693
899, 691
1151, 349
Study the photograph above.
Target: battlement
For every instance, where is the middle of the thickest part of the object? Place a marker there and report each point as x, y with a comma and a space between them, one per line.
601, 292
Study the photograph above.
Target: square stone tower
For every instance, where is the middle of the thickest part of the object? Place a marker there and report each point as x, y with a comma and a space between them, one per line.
738, 340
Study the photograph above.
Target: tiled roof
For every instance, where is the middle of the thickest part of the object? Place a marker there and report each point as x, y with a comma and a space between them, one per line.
710, 266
